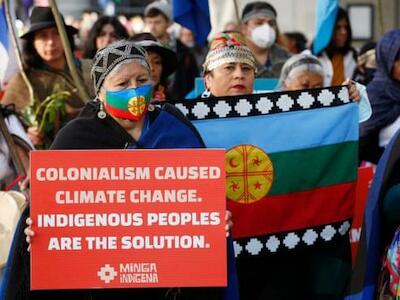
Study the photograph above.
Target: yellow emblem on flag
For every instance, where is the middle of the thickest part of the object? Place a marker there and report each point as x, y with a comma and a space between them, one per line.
249, 173
137, 105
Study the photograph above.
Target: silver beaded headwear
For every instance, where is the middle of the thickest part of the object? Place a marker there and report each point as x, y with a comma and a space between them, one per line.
109, 57
228, 48
298, 64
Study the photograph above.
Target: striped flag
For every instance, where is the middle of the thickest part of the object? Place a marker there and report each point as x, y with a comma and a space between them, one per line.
291, 161
195, 15
8, 63
325, 19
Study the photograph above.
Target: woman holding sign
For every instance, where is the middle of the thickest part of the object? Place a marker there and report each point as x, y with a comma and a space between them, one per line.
121, 117
229, 71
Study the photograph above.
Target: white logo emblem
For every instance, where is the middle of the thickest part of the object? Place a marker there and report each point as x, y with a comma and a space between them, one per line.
107, 273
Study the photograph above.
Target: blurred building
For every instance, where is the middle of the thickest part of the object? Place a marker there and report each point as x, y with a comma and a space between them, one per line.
293, 15
127, 7
299, 15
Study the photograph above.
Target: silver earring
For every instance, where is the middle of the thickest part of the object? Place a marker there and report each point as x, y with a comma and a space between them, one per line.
150, 107
101, 114
206, 94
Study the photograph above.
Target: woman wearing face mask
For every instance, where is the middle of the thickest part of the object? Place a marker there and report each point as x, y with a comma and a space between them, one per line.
120, 72
259, 26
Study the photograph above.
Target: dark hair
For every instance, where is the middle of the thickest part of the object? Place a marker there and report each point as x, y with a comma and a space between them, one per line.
331, 48
299, 39
143, 36
367, 46
155, 12
257, 5
147, 36
90, 49
30, 57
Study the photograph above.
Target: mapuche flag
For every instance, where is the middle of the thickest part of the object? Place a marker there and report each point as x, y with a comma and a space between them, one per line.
291, 162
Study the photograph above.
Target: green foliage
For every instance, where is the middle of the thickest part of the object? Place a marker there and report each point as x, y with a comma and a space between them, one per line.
50, 109
49, 115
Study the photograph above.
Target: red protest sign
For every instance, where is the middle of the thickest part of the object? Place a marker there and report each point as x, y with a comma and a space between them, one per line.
140, 218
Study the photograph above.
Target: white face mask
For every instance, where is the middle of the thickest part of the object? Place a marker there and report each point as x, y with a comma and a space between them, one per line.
263, 36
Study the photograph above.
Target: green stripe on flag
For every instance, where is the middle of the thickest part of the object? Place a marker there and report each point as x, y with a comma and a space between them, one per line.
302, 170
115, 101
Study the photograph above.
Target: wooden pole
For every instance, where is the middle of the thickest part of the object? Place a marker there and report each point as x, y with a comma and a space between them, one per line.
68, 53
236, 11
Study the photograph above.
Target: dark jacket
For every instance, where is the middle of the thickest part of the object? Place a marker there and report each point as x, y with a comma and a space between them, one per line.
277, 56
376, 232
186, 72
384, 95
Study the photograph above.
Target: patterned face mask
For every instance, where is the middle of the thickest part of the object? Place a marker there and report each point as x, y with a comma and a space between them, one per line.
129, 104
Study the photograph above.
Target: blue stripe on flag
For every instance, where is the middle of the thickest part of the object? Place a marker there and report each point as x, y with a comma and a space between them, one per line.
325, 19
296, 130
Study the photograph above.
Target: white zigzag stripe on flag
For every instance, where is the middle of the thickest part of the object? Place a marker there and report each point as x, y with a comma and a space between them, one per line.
262, 104
287, 241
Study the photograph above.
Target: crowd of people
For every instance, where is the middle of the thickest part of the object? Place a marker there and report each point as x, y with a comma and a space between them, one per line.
161, 66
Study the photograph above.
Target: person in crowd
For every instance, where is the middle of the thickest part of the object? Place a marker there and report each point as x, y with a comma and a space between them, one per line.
366, 64
187, 38
301, 71
14, 150
229, 67
322, 274
46, 69
384, 93
163, 63
377, 266
21, 146
259, 26
305, 71
121, 71
158, 20
339, 59
88, 18
231, 26
229, 70
296, 42
105, 30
